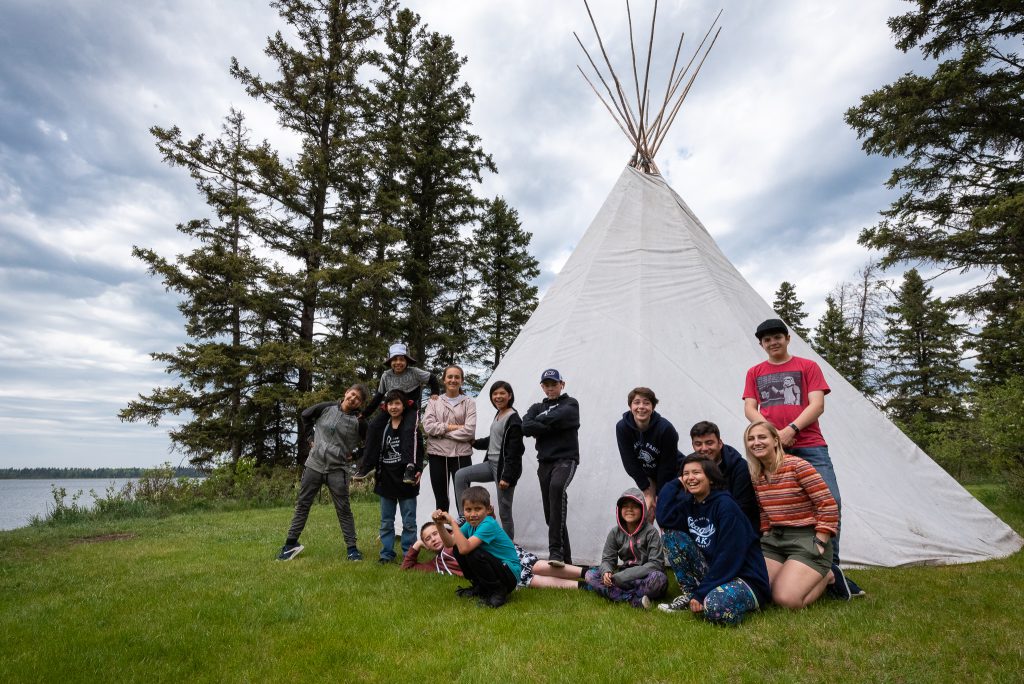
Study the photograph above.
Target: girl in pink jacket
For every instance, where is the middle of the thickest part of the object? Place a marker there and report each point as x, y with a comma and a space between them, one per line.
450, 426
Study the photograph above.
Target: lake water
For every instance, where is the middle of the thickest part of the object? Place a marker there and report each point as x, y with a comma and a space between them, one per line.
22, 499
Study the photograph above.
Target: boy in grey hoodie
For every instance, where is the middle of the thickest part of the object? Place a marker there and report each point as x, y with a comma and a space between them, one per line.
637, 544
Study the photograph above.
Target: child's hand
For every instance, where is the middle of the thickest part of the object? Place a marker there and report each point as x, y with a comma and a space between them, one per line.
695, 606
503, 484
606, 579
440, 516
452, 427
433, 397
419, 476
417, 545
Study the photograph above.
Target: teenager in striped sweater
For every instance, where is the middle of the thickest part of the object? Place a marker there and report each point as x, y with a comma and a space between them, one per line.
799, 517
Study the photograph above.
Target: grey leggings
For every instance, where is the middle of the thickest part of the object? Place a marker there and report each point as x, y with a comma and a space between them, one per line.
309, 487
487, 472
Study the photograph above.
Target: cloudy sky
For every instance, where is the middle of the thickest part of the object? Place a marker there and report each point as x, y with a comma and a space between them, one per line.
759, 151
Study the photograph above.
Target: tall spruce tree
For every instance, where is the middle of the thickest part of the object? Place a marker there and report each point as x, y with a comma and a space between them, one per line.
960, 132
443, 164
320, 196
790, 309
835, 340
228, 316
924, 378
506, 297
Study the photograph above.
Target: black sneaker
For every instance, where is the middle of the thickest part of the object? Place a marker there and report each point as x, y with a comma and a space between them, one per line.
289, 551
354, 554
465, 592
410, 474
839, 589
493, 601
386, 560
678, 605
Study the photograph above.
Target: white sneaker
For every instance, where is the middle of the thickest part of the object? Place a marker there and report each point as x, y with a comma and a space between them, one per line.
645, 603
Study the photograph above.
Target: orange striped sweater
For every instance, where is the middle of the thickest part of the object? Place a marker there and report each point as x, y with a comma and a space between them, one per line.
796, 496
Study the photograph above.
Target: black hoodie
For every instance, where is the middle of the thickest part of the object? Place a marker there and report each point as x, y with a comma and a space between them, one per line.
649, 457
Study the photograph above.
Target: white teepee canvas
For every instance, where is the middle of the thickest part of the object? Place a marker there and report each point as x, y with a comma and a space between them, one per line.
647, 298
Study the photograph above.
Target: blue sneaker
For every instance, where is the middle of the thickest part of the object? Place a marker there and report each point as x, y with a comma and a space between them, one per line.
354, 554
289, 551
839, 589
855, 591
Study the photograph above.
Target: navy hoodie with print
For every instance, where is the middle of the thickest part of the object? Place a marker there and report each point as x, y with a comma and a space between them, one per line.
737, 474
649, 457
723, 534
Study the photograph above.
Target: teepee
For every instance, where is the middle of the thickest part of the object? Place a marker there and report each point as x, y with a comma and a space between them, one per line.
648, 298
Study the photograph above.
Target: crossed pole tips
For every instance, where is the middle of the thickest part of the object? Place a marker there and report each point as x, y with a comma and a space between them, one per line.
644, 129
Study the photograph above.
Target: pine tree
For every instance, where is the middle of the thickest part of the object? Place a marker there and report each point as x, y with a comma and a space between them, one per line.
960, 132
835, 340
506, 269
445, 161
924, 378
790, 309
1000, 342
226, 311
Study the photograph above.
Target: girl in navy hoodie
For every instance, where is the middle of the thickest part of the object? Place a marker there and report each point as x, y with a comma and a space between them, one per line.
713, 550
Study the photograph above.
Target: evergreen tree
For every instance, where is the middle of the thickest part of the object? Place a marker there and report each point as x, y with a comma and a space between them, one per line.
924, 378
999, 342
790, 309
961, 134
321, 196
222, 284
444, 162
835, 340
506, 298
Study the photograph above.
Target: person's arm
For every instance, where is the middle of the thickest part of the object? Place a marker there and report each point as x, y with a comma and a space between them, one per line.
311, 415
651, 554
410, 561
624, 436
455, 538
513, 450
467, 431
372, 405
433, 424
482, 444
609, 558
531, 426
669, 511
668, 470
750, 411
826, 510
815, 407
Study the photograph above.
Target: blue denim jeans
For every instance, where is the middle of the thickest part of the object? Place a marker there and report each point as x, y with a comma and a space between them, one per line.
387, 525
819, 458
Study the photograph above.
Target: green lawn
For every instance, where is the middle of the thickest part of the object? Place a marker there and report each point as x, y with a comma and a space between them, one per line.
199, 597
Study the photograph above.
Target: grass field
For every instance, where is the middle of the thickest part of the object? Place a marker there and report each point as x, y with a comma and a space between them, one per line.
198, 597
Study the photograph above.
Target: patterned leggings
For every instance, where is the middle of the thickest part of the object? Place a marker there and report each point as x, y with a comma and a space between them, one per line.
727, 603
652, 586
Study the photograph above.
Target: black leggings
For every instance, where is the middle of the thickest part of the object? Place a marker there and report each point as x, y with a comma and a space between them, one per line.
442, 471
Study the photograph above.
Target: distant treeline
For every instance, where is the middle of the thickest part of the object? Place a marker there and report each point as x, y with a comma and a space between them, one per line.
82, 473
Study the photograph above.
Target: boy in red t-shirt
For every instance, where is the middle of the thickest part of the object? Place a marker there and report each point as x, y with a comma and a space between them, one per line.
789, 392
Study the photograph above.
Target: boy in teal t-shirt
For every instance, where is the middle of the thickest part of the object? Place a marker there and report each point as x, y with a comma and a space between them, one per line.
485, 552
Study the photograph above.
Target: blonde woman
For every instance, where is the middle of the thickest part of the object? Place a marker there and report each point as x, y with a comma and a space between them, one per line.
799, 517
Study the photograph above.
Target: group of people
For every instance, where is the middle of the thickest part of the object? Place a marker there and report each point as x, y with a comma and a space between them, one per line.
736, 533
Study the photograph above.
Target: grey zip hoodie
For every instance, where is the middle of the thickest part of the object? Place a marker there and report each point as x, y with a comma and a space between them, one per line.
640, 551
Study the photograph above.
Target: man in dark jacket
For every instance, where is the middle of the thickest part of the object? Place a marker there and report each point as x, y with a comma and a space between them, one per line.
707, 441
555, 422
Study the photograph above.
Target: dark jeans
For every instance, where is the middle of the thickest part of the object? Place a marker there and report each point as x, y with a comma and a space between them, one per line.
442, 471
309, 487
819, 458
555, 477
487, 574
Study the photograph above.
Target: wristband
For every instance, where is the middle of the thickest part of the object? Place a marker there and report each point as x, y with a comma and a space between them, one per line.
796, 430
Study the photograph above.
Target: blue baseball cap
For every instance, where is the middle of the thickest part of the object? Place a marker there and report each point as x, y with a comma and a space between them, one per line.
551, 374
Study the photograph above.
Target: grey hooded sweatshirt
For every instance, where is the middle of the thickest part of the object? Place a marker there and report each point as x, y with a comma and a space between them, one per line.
640, 551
